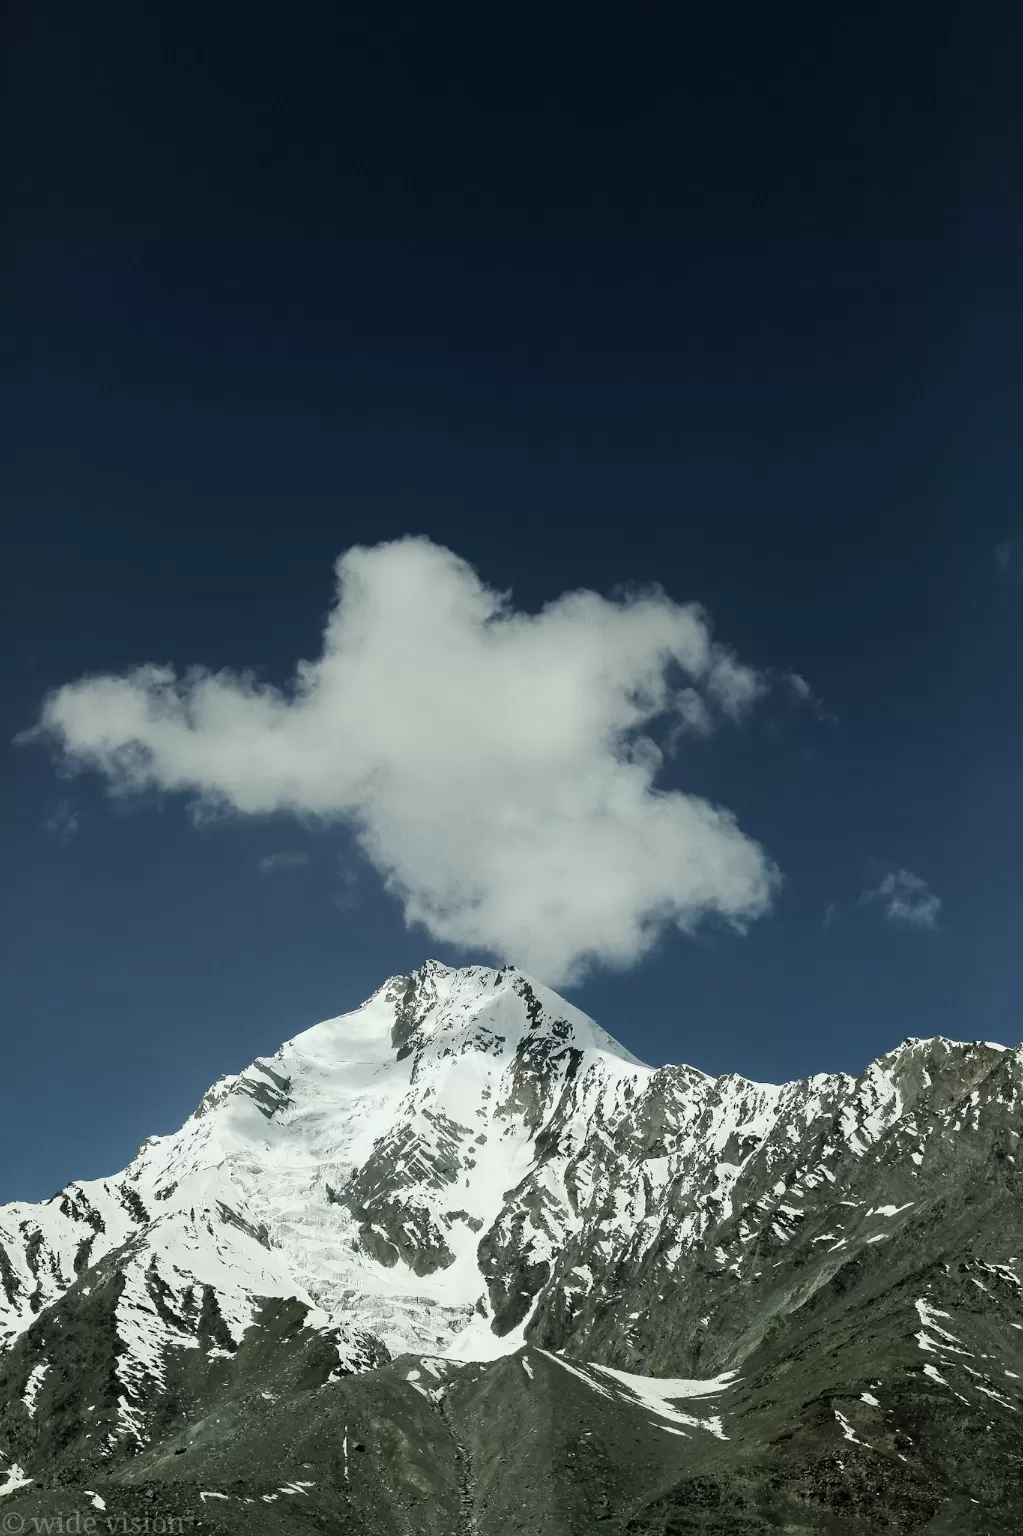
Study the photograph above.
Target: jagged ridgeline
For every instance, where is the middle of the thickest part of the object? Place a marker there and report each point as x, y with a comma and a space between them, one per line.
458, 1264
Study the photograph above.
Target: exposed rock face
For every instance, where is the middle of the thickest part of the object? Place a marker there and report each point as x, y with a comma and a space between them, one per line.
467, 1165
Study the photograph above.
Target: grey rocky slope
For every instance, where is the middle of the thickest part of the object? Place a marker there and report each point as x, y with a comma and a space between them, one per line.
423, 1270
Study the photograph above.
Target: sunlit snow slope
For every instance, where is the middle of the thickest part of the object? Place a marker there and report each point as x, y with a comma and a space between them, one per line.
355, 1170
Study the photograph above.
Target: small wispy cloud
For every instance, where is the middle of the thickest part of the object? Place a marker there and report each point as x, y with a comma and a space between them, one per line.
346, 895
63, 822
1009, 556
906, 898
830, 913
277, 861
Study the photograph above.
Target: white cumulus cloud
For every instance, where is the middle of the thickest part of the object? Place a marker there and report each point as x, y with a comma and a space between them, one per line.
499, 768
906, 898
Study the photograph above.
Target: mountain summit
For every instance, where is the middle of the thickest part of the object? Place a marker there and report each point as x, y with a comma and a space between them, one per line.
465, 1202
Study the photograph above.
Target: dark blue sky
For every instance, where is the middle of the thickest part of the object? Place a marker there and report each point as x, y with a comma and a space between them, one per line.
732, 305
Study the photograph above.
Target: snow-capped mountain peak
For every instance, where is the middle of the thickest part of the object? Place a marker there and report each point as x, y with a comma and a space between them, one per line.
467, 1160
